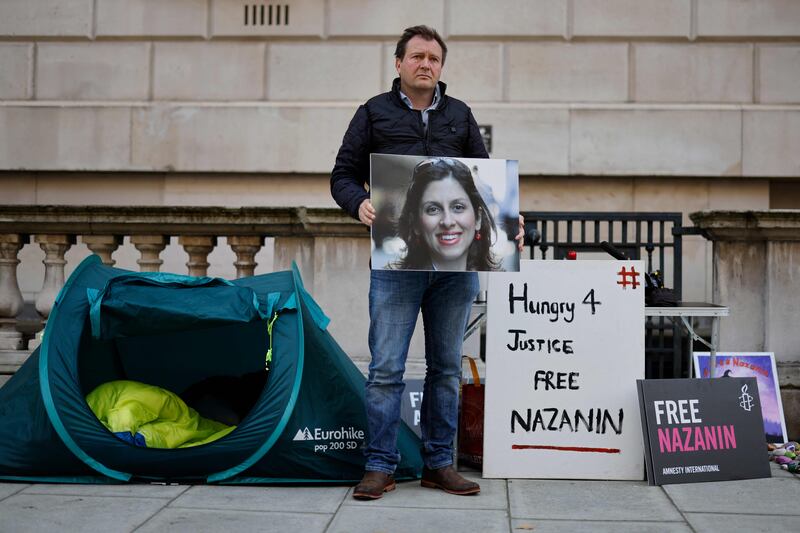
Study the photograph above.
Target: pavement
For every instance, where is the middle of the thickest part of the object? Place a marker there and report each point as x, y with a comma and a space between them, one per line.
513, 505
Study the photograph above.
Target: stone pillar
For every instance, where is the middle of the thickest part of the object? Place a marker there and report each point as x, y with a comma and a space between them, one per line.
245, 247
299, 250
11, 301
341, 283
103, 246
150, 246
198, 247
54, 246
757, 274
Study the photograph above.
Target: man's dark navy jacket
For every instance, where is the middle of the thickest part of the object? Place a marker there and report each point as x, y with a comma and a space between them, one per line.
386, 125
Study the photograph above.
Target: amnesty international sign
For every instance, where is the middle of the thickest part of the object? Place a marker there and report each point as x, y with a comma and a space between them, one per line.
702, 430
564, 348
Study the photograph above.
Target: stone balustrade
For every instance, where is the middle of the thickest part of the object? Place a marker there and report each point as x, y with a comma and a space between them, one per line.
756, 272
302, 235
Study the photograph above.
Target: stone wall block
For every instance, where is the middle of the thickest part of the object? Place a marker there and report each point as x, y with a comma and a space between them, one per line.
152, 18
739, 283
693, 73
15, 70
472, 71
556, 72
382, 17
264, 138
771, 140
324, 71
538, 138
62, 18
234, 18
632, 18
738, 18
779, 74
65, 138
477, 18
783, 300
661, 142
92, 71
208, 71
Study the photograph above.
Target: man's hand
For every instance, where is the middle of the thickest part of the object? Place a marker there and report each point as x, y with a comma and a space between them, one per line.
520, 238
366, 213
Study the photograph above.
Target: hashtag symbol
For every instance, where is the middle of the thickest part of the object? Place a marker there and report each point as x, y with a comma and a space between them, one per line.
628, 278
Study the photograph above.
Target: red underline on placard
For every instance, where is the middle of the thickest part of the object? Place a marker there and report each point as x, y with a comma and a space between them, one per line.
564, 448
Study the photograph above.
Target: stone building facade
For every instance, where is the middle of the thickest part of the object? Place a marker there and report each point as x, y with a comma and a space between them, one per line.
609, 105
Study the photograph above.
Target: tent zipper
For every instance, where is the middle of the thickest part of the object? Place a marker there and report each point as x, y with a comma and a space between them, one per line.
268, 358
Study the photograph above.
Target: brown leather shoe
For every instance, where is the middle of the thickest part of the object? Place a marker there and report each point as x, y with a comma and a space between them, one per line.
373, 485
447, 479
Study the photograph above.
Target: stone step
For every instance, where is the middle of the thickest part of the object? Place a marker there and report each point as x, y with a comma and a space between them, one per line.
11, 360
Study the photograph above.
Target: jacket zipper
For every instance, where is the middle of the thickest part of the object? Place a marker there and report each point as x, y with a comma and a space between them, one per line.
428, 133
422, 127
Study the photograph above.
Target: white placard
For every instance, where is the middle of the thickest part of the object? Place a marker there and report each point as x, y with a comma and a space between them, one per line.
564, 348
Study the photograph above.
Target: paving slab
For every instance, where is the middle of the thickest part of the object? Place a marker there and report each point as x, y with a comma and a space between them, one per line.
710, 522
137, 491
768, 496
40, 512
410, 494
299, 499
594, 526
589, 500
357, 519
7, 489
200, 521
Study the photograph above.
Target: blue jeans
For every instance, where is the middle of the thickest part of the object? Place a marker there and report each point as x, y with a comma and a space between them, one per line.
395, 299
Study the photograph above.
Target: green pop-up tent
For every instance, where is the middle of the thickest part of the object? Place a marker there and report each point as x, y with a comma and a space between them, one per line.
307, 425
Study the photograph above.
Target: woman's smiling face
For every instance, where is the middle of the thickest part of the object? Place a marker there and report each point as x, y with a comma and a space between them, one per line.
447, 223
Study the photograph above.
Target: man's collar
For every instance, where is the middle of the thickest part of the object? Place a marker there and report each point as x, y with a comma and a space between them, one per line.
437, 96
441, 86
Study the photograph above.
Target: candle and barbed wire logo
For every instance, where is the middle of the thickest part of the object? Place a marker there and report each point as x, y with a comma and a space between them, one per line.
628, 277
745, 400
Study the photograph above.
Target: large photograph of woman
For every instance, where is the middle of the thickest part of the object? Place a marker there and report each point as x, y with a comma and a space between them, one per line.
444, 213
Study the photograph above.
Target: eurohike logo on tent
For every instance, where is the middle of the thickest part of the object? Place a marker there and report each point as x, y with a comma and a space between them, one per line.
332, 439
303, 434
342, 433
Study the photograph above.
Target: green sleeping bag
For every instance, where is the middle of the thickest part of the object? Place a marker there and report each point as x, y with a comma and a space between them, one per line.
146, 415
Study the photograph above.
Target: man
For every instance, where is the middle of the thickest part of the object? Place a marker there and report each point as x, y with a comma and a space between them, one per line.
415, 118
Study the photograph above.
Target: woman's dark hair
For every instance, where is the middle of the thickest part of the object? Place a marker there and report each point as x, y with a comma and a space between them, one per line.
479, 255
427, 33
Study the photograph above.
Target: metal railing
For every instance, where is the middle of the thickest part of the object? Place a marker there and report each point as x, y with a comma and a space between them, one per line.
655, 238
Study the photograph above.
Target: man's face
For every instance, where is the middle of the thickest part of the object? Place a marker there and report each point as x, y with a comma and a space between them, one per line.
421, 65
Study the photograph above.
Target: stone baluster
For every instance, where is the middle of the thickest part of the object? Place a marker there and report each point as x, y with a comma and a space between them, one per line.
11, 301
245, 247
150, 247
198, 247
103, 246
55, 247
